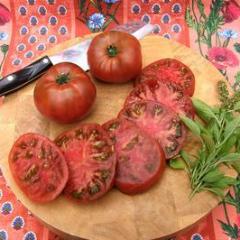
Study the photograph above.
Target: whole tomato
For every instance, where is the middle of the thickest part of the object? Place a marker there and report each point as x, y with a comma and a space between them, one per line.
115, 57
65, 93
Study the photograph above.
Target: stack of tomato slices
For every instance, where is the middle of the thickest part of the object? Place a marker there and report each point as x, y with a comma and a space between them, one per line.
128, 152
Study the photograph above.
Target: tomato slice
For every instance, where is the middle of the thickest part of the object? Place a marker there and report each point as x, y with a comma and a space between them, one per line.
141, 160
167, 93
91, 160
170, 70
38, 167
159, 122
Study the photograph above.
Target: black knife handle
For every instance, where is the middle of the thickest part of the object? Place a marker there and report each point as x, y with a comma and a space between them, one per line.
16, 80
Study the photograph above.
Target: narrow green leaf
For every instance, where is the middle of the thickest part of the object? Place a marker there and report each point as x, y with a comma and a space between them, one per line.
193, 127
218, 191
231, 157
236, 106
237, 47
177, 164
201, 8
208, 141
213, 128
213, 176
186, 158
204, 111
231, 231
236, 166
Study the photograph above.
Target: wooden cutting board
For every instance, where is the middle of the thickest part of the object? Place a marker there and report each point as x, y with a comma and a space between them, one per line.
161, 211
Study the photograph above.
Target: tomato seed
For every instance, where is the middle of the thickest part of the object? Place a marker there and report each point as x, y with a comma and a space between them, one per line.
105, 174
79, 134
32, 171
157, 110
113, 126
62, 140
50, 187
150, 167
23, 145
33, 142
77, 194
15, 156
93, 189
29, 154
99, 144
130, 145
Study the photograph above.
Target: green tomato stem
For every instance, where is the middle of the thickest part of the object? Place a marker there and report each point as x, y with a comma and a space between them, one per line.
112, 51
63, 78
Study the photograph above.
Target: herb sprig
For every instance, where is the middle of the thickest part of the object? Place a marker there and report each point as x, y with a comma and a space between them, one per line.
218, 131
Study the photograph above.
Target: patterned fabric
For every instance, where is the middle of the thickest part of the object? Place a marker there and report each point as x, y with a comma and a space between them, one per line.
30, 27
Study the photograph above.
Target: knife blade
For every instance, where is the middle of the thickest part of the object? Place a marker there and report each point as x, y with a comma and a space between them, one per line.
76, 54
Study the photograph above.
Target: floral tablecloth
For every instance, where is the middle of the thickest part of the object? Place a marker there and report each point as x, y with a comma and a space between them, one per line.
30, 27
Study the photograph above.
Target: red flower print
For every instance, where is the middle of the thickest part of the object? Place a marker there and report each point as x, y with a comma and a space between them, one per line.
5, 15
222, 58
231, 11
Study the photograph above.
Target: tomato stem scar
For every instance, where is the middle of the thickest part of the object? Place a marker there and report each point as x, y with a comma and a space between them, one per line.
112, 51
63, 78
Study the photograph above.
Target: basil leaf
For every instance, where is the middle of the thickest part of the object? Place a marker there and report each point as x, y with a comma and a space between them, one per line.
213, 128
218, 191
204, 111
177, 163
193, 127
236, 166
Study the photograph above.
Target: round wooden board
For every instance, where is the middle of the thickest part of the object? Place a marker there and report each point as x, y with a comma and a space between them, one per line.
159, 212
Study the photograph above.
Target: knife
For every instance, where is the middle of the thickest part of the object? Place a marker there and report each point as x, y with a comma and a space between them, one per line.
76, 54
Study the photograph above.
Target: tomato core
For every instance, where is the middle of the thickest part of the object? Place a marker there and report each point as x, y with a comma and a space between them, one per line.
63, 78
112, 51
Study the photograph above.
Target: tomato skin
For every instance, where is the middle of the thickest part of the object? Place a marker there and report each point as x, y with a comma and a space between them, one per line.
67, 102
170, 70
38, 167
126, 65
132, 175
91, 160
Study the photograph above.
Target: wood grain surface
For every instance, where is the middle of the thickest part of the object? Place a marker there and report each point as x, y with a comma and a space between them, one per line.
159, 212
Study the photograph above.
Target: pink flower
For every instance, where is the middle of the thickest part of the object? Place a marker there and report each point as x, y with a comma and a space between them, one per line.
222, 57
5, 15
231, 11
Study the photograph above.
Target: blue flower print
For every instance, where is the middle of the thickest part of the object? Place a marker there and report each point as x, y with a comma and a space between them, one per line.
3, 36
228, 33
30, 236
3, 234
18, 223
96, 21
6, 208
110, 1
196, 236
1, 194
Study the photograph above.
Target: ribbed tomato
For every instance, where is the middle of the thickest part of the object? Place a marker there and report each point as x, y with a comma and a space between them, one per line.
140, 159
170, 70
65, 93
159, 122
91, 160
38, 167
164, 92
115, 57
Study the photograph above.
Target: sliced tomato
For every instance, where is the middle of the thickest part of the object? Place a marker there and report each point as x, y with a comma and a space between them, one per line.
38, 167
170, 70
164, 92
91, 160
140, 159
159, 122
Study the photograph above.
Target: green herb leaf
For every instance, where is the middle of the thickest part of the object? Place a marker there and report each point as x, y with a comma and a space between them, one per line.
218, 191
213, 176
177, 163
231, 127
208, 141
228, 145
231, 157
186, 158
237, 47
204, 111
230, 230
236, 166
4, 48
193, 127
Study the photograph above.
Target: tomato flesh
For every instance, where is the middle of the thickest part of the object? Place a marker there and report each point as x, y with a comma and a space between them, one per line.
91, 160
159, 122
170, 70
38, 167
167, 93
140, 159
